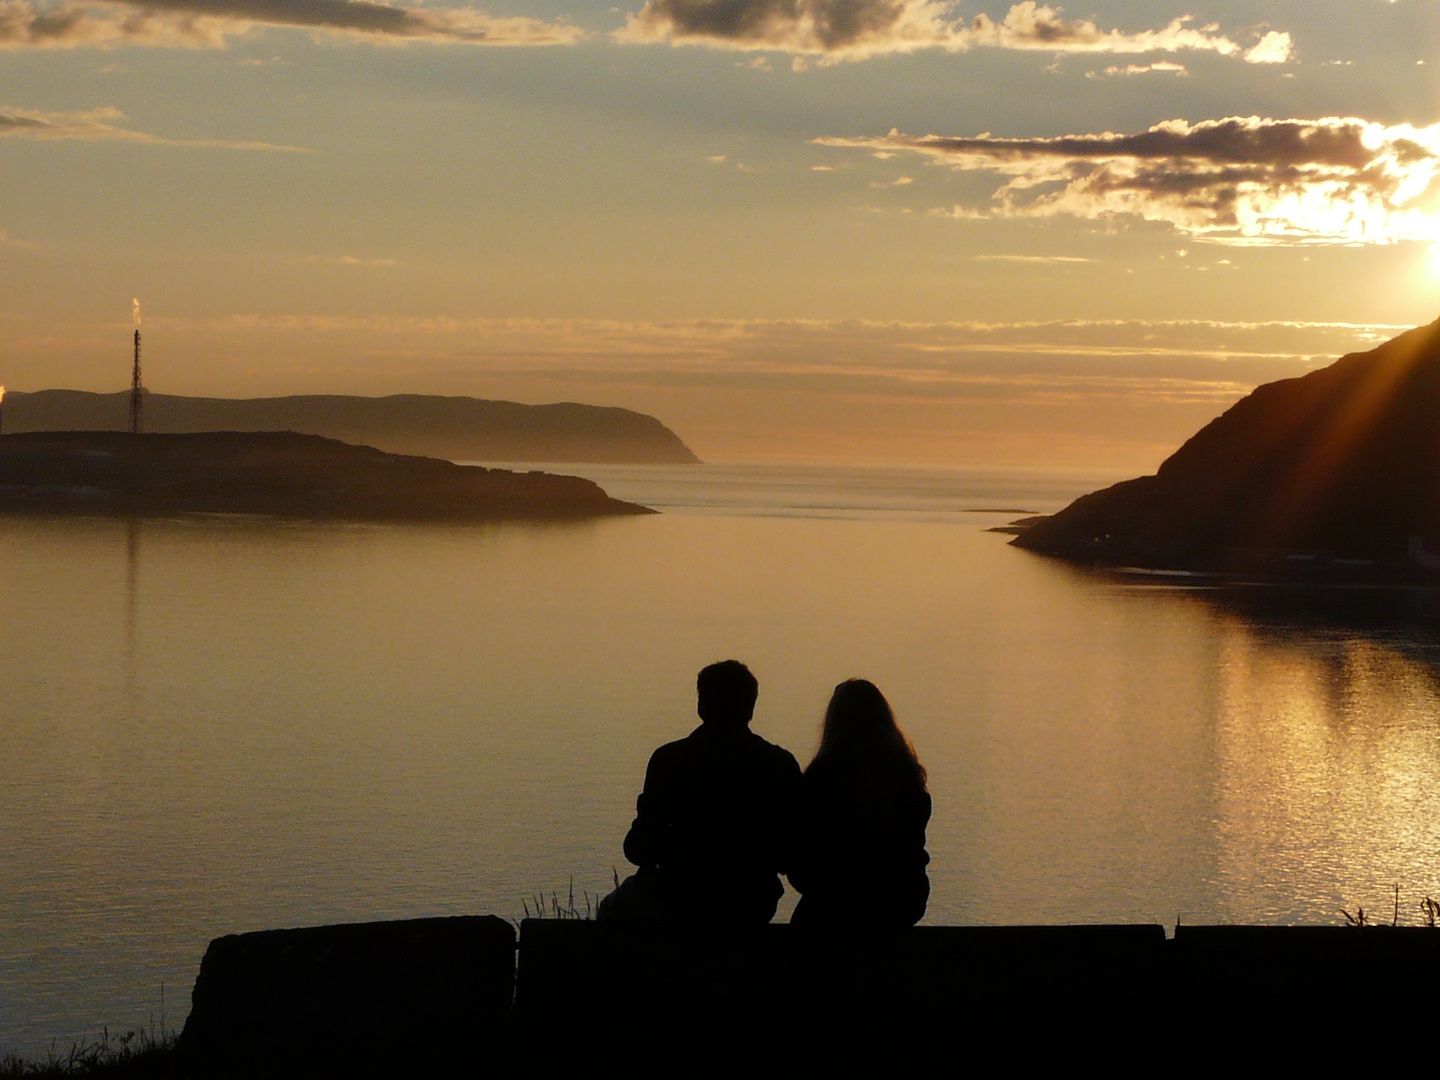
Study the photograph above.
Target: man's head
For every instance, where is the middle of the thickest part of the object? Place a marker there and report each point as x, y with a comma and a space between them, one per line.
726, 694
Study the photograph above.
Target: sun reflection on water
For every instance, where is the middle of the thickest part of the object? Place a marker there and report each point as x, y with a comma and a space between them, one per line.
1326, 745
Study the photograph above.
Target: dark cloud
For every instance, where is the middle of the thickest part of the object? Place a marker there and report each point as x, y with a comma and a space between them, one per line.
1339, 179
100, 125
1232, 141
14, 124
853, 29
802, 26
211, 22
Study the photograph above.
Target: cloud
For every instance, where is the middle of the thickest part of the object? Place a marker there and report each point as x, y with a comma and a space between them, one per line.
1066, 392
98, 125
210, 23
925, 356
822, 27
1031, 258
1241, 179
854, 29
1274, 48
1166, 67
6, 240
341, 260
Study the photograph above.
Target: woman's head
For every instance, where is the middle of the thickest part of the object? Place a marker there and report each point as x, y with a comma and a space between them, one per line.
860, 726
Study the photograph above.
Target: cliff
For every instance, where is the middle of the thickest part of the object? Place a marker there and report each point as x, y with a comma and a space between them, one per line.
1337, 470
457, 428
275, 473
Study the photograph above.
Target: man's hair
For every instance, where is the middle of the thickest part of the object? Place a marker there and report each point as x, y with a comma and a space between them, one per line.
726, 693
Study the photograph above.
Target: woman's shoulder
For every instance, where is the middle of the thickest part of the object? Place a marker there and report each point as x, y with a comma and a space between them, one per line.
825, 782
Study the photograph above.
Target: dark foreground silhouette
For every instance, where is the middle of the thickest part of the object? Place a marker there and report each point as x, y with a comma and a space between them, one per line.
724, 813
714, 824
1332, 476
458, 428
277, 473
434, 997
859, 856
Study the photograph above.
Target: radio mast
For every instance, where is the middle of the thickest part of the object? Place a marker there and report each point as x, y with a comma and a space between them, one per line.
137, 404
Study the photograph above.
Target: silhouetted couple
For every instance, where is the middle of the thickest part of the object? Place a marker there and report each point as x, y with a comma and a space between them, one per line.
724, 813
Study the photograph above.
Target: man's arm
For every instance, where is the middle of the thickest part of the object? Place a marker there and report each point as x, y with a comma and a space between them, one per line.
788, 827
648, 838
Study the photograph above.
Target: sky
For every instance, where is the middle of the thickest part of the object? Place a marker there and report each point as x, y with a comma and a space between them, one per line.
889, 231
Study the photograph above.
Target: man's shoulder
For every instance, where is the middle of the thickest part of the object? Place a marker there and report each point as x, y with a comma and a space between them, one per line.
777, 756
678, 750
701, 745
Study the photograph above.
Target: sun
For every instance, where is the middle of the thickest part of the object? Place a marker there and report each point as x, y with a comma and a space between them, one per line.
1434, 260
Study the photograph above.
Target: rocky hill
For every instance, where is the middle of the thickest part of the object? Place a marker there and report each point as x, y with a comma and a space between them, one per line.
1336, 472
457, 428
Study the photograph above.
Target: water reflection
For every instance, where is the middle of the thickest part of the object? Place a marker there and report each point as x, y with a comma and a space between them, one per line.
132, 591
218, 725
1327, 740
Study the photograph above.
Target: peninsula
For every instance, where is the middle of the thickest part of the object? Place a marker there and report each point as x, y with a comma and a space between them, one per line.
456, 428
276, 473
1333, 475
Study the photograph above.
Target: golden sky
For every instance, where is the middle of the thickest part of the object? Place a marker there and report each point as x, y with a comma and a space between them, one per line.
858, 230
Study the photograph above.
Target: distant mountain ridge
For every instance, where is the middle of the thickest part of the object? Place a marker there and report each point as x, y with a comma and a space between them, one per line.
1339, 468
457, 428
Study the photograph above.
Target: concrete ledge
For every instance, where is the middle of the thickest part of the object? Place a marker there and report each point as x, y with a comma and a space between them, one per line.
1304, 983
800, 999
417, 992
434, 997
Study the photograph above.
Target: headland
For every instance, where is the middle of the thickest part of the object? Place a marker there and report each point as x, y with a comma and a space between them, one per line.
457, 428
276, 473
1332, 476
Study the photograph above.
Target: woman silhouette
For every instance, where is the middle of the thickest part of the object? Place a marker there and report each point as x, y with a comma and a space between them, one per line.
860, 858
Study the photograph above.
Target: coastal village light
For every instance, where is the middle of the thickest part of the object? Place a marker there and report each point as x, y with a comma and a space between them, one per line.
2, 410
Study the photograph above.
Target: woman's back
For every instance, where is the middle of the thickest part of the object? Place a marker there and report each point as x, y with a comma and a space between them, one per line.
861, 855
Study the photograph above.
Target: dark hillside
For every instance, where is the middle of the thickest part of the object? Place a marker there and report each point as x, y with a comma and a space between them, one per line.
276, 473
1342, 463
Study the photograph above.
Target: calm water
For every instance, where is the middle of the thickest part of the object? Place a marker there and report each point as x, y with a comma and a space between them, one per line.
213, 725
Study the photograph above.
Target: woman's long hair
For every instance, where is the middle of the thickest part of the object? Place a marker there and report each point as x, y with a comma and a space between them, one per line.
860, 737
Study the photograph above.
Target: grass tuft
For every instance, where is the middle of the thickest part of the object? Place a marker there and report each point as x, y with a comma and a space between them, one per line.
539, 906
1429, 913
146, 1051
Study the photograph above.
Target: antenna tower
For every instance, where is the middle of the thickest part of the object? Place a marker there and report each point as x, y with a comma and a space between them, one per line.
137, 404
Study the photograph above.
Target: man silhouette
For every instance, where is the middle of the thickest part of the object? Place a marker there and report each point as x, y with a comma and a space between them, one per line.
713, 825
